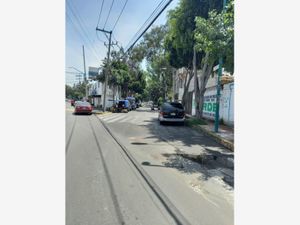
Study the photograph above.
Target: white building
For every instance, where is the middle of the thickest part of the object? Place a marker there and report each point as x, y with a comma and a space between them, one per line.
226, 100
96, 94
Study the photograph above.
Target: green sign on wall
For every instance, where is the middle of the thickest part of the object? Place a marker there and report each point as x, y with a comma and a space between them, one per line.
209, 106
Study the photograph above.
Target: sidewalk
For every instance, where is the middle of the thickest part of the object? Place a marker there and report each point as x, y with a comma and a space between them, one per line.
225, 136
98, 111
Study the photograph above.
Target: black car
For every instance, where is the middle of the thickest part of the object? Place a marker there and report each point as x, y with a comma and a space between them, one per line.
171, 112
123, 106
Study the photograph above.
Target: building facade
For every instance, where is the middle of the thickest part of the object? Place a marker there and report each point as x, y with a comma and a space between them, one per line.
226, 112
96, 94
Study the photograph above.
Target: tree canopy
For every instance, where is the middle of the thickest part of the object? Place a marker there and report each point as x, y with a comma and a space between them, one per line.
215, 35
180, 41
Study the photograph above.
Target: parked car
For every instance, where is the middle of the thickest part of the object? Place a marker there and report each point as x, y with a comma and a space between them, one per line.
123, 106
83, 107
171, 112
132, 103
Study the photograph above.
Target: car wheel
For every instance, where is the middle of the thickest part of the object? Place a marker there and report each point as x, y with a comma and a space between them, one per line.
161, 122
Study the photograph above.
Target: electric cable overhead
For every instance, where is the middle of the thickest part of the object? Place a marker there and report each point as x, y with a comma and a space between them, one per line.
80, 23
160, 7
99, 37
152, 14
69, 19
120, 15
108, 13
79, 20
100, 13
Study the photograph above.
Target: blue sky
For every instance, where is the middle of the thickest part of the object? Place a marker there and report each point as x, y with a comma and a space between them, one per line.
81, 21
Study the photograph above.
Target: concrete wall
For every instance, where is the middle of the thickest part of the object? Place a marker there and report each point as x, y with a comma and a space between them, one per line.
226, 101
110, 97
226, 104
95, 88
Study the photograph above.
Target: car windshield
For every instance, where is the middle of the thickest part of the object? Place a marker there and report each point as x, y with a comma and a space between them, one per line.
120, 103
173, 105
176, 105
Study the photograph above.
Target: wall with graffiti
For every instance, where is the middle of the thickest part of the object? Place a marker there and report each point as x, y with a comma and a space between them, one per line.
226, 104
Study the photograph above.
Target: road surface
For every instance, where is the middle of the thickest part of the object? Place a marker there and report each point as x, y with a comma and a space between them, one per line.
123, 169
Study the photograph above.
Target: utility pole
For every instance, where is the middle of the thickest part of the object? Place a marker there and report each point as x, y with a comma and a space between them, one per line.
219, 87
108, 64
84, 68
84, 74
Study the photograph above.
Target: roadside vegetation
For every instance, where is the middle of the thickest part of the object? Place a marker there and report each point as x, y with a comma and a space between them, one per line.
196, 35
76, 91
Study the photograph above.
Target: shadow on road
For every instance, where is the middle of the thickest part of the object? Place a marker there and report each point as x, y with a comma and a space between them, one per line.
81, 114
146, 110
210, 159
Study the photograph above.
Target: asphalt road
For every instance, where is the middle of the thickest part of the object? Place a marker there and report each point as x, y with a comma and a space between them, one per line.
103, 186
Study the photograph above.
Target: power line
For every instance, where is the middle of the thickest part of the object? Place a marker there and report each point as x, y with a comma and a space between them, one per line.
109, 13
100, 13
99, 37
120, 15
80, 22
149, 25
136, 34
151, 15
78, 31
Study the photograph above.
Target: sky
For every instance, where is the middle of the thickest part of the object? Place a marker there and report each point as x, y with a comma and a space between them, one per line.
81, 22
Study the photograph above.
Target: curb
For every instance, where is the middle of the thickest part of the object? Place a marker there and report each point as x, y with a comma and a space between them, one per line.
222, 141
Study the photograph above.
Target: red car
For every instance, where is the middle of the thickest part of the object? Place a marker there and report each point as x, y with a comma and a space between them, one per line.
83, 107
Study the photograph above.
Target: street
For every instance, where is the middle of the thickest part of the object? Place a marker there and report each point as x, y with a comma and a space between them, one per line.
125, 168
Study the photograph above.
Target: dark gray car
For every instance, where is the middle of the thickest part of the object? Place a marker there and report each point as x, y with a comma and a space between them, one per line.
171, 112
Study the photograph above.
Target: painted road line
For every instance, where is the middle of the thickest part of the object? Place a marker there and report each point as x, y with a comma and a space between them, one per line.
126, 119
106, 118
114, 119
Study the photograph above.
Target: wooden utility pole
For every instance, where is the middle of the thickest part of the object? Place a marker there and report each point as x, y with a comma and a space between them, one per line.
108, 65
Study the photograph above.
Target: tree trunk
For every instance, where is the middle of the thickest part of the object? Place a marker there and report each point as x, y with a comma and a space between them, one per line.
196, 86
207, 68
187, 82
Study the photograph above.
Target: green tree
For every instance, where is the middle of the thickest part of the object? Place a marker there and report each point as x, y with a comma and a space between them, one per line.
69, 91
159, 70
78, 91
180, 41
124, 73
214, 37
